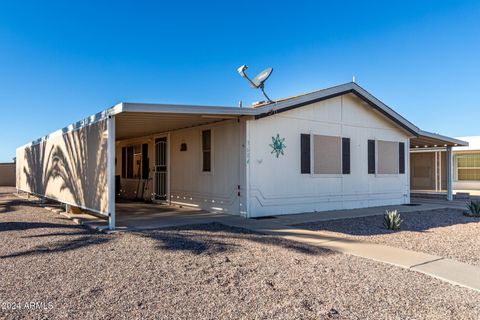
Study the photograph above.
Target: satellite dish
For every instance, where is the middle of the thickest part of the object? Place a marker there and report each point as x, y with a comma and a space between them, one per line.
259, 81
260, 78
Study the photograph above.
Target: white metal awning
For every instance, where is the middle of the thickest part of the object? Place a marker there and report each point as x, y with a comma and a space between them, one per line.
434, 140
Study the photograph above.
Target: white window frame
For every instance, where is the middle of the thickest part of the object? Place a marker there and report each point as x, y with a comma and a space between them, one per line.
456, 167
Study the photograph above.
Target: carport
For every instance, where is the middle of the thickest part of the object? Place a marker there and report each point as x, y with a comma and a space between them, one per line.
431, 163
151, 125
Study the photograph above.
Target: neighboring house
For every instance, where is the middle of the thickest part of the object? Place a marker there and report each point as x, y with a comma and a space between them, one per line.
466, 165
429, 167
331, 149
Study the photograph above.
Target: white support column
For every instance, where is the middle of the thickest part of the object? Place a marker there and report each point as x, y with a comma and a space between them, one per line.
449, 174
436, 171
247, 169
111, 171
169, 176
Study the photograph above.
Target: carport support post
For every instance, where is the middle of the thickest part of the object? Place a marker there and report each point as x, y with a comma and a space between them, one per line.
111, 171
449, 174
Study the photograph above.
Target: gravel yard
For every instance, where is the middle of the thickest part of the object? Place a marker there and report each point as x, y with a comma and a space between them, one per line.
446, 233
201, 272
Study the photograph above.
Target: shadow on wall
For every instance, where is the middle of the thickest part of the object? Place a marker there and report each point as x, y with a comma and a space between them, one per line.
35, 170
70, 168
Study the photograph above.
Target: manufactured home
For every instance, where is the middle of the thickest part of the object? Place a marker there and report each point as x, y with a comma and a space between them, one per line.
429, 167
331, 149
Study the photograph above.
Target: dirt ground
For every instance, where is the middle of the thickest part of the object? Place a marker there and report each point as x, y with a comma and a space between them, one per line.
446, 233
51, 268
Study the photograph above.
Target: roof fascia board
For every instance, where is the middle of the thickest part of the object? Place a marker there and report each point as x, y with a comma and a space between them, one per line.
185, 109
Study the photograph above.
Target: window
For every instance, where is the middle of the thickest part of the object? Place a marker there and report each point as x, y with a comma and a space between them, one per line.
388, 157
206, 150
468, 166
135, 162
331, 155
327, 155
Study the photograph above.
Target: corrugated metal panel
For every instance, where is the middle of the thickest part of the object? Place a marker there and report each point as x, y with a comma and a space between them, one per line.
71, 167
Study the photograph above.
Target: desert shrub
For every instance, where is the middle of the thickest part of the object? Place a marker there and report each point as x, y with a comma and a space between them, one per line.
473, 208
391, 220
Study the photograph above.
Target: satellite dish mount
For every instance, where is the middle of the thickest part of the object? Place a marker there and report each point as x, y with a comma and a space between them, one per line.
259, 81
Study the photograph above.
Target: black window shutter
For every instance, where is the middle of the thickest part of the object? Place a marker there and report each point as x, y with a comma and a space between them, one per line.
304, 153
124, 161
371, 156
145, 168
401, 157
346, 155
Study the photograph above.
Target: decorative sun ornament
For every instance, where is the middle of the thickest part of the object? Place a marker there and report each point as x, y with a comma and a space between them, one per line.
277, 145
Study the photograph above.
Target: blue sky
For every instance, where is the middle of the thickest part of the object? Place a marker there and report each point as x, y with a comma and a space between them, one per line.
62, 61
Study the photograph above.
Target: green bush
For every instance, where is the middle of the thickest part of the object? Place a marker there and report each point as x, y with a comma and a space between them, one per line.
391, 220
473, 208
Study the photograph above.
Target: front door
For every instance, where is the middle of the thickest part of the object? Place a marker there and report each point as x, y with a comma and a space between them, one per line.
160, 169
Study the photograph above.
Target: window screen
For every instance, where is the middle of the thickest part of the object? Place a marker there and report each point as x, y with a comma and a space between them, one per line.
206, 150
388, 157
327, 155
468, 166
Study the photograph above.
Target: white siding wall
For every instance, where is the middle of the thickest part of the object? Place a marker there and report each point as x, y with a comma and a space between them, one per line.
278, 187
466, 185
215, 190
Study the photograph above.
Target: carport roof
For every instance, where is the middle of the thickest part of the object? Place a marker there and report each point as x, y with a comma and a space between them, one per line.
139, 118
426, 139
